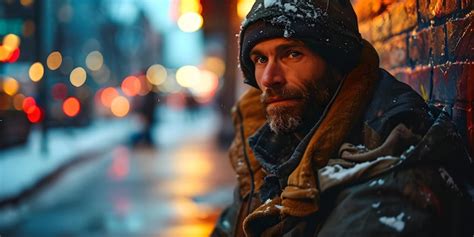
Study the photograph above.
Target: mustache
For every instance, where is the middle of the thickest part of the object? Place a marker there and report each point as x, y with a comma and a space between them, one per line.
280, 94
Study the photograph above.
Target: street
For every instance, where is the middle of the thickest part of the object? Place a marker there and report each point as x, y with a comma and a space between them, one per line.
177, 189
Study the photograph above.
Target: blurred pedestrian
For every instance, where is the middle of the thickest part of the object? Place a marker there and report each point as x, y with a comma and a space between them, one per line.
146, 107
329, 144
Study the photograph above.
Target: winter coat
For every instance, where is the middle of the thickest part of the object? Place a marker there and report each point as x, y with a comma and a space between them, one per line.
380, 162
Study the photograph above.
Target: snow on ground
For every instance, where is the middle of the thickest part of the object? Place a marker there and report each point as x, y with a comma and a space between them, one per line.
21, 167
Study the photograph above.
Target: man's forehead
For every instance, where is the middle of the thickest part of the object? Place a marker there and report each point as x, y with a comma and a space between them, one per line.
277, 43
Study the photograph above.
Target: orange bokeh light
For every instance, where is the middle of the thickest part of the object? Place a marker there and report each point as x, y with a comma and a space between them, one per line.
120, 106
108, 95
71, 107
131, 86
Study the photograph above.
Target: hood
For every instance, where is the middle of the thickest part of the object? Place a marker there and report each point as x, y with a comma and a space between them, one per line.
328, 27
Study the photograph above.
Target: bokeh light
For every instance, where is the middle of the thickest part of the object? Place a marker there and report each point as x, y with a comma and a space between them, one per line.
156, 74
28, 103
26, 3
11, 41
186, 6
120, 106
94, 60
188, 76
18, 101
15, 54
71, 107
34, 114
36, 72
243, 7
215, 65
108, 95
78, 76
208, 83
11, 86
54, 60
145, 86
4, 53
131, 86
190, 22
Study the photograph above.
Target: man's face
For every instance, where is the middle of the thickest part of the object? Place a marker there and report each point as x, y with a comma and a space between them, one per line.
294, 81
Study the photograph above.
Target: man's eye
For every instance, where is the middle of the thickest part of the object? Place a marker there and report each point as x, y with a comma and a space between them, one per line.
260, 59
294, 54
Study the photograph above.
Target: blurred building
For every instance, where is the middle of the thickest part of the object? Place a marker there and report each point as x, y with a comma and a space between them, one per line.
67, 63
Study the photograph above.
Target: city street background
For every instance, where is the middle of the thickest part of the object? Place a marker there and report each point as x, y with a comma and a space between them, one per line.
115, 116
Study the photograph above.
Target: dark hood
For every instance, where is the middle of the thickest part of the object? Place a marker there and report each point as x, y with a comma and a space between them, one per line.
328, 27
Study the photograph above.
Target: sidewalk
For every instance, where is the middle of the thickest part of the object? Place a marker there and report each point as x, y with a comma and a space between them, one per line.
23, 167
177, 188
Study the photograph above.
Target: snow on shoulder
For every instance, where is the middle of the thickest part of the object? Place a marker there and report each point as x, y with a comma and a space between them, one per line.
396, 223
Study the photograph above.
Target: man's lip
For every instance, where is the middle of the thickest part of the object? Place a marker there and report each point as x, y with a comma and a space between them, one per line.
278, 99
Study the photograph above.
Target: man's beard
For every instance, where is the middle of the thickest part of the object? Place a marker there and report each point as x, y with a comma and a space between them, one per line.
288, 118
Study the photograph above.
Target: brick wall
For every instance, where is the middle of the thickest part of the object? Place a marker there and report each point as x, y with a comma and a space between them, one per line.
428, 44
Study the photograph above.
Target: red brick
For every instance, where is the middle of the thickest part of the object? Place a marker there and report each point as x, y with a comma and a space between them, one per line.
381, 27
467, 4
365, 30
451, 83
367, 9
470, 127
427, 46
420, 80
396, 48
419, 45
438, 44
461, 38
403, 16
430, 9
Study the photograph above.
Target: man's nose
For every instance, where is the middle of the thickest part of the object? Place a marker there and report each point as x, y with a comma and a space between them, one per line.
273, 75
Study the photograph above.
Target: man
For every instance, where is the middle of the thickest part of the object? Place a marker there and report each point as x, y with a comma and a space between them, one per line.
328, 144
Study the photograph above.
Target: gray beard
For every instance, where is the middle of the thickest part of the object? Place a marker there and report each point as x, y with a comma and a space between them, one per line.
283, 122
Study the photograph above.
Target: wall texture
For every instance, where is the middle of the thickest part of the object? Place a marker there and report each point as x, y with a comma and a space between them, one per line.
428, 44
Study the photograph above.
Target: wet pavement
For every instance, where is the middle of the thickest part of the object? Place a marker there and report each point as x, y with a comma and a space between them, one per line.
177, 189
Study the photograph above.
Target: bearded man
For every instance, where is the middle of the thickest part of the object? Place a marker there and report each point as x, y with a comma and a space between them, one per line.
329, 144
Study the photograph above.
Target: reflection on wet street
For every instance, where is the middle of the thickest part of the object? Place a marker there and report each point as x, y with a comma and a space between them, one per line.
175, 189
